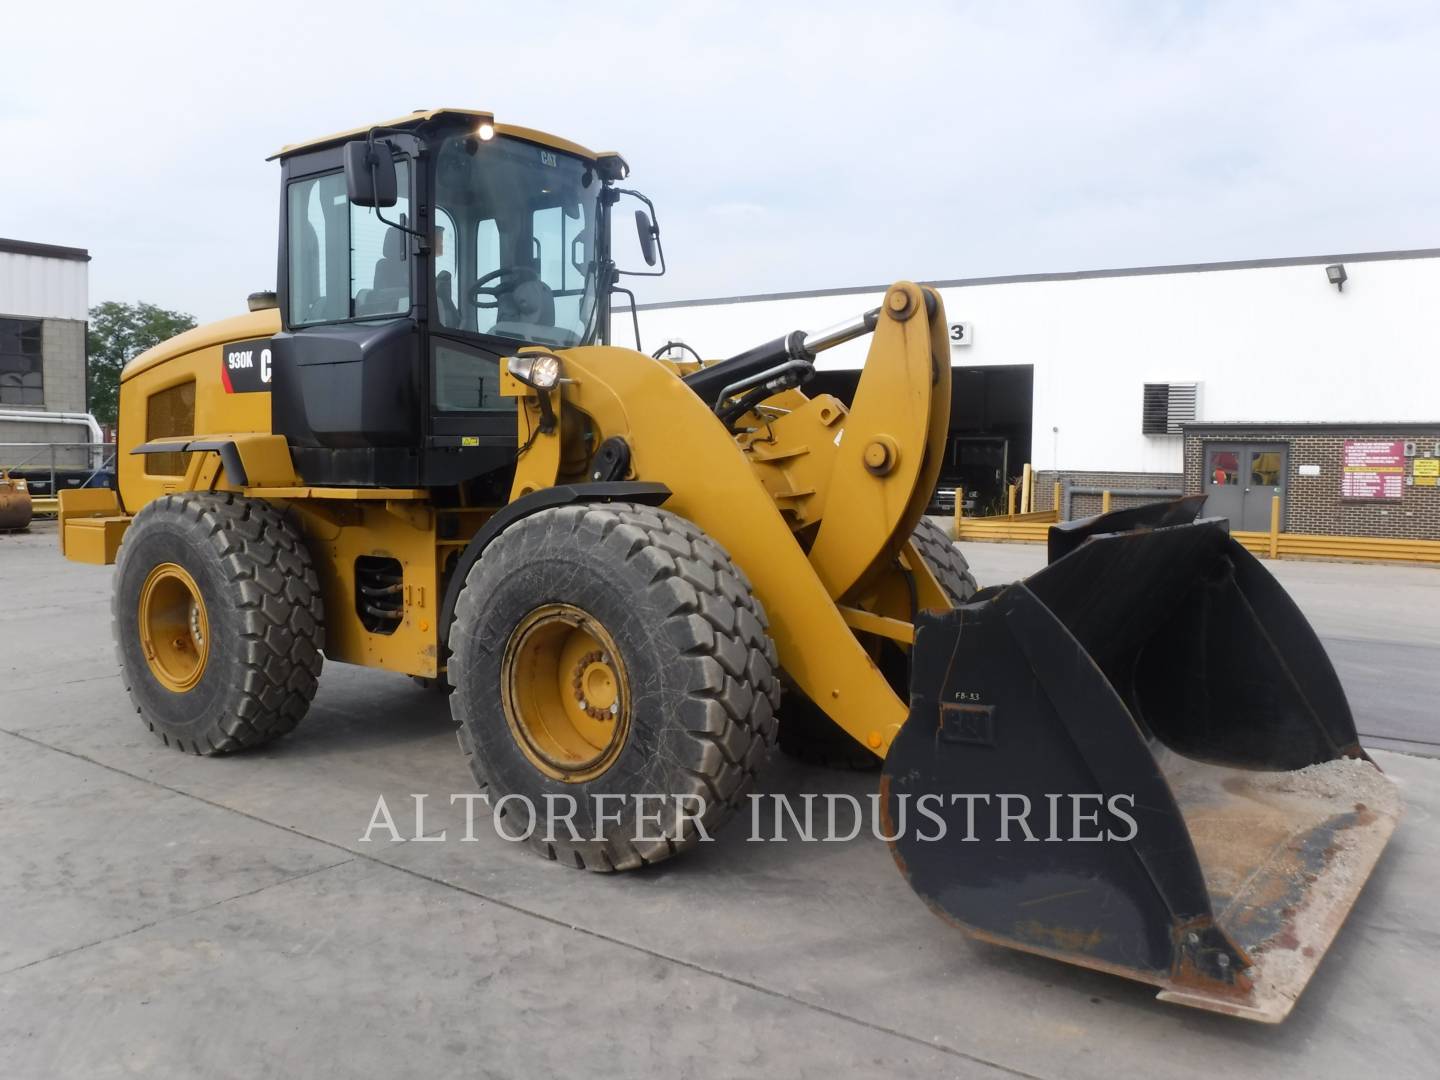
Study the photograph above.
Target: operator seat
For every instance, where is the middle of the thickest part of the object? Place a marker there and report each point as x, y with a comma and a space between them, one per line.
391, 273
391, 291
445, 299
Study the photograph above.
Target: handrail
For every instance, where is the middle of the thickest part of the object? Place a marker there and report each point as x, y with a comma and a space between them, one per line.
101, 455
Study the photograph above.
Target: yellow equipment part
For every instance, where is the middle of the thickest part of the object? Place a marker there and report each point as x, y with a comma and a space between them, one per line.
16, 507
621, 393
92, 525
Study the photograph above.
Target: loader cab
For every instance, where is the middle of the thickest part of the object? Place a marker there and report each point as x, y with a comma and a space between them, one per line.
396, 316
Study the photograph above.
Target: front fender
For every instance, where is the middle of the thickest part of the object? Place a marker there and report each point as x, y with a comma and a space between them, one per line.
677, 441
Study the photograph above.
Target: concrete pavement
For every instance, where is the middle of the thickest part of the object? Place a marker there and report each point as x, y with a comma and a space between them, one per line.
167, 915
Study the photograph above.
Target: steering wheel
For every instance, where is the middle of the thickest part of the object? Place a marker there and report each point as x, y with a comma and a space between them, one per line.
507, 279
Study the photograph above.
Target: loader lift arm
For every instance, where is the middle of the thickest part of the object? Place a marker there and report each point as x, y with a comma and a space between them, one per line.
676, 439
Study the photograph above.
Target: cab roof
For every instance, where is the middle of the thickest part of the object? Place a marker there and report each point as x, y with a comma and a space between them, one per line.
420, 116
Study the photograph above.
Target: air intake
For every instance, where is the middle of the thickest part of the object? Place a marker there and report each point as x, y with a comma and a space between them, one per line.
1167, 406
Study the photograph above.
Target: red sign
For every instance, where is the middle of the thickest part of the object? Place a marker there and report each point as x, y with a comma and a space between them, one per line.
1373, 469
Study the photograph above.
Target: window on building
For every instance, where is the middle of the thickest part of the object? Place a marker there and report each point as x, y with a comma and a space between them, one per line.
1224, 468
21, 362
1265, 468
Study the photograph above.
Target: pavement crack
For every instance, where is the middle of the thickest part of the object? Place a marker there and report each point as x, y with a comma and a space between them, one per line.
171, 918
562, 924
24, 687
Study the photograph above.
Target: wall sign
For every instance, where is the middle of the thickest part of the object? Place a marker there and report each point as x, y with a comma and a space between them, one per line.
1374, 469
1427, 471
961, 333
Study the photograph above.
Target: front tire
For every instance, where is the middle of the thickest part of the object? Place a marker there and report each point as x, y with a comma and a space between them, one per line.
604, 652
218, 621
945, 560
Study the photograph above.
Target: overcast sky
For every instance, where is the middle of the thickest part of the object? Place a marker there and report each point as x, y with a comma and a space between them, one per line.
787, 146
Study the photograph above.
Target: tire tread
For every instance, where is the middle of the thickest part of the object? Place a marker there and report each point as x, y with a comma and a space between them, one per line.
266, 561
713, 615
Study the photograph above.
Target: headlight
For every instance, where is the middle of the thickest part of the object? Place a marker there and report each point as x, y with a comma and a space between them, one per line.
540, 370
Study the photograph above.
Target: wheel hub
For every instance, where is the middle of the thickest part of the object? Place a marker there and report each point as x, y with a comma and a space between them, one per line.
565, 693
594, 686
174, 627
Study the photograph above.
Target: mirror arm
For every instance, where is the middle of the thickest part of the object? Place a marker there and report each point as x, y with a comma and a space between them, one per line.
655, 223
424, 243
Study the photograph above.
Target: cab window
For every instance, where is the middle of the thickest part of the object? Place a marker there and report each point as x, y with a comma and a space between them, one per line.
442, 255
467, 380
345, 262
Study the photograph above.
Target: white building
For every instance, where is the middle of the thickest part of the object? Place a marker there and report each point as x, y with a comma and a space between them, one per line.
44, 307
1057, 366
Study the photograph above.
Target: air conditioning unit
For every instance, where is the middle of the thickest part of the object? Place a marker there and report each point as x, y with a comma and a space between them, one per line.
1167, 406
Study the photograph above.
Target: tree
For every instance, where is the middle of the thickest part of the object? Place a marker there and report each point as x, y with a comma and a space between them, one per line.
119, 333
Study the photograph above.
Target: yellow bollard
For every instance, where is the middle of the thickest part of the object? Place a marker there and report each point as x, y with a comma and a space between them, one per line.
1275, 526
1027, 489
1105, 502
1055, 499
959, 511
1010, 501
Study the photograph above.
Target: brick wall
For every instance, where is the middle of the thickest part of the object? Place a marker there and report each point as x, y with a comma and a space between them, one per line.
1116, 482
1313, 503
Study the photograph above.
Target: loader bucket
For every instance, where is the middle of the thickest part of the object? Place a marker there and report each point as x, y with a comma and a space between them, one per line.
1144, 763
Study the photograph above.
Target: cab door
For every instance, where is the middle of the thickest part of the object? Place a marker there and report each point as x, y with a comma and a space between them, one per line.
348, 390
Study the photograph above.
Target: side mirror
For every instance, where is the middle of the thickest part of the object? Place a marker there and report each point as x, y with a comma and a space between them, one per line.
647, 228
647, 232
369, 173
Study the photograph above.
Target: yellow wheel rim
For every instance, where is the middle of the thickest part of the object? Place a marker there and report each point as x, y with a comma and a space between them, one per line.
174, 628
565, 693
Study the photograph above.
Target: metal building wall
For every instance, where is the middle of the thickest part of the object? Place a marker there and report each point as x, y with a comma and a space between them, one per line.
1267, 340
44, 287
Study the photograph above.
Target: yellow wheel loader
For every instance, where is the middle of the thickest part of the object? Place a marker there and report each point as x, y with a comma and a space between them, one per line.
422, 453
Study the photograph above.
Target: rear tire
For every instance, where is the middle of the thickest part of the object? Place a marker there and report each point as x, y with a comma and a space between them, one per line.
806, 733
692, 680
218, 622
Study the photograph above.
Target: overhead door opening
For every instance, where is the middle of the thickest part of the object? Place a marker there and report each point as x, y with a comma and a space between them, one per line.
989, 438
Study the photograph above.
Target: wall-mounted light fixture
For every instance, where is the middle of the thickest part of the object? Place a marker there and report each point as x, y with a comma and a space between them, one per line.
1336, 276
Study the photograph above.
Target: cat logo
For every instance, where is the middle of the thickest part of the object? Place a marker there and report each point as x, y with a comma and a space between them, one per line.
547, 157
245, 367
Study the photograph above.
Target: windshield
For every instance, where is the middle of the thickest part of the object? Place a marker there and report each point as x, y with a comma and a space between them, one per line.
515, 233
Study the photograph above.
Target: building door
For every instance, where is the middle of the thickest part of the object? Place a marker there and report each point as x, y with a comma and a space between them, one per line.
1241, 479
